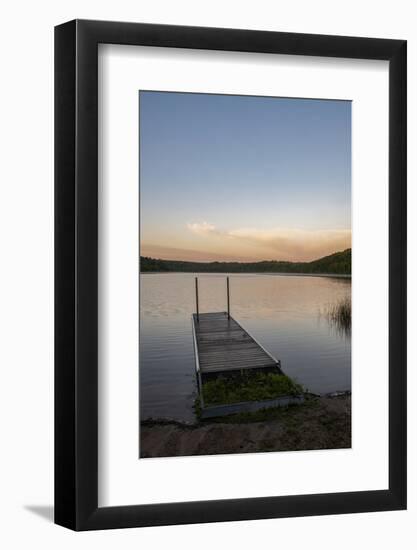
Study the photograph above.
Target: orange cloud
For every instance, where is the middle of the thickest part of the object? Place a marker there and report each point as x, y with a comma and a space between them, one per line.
274, 243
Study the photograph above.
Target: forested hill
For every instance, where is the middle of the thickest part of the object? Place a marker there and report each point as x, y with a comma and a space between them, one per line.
338, 263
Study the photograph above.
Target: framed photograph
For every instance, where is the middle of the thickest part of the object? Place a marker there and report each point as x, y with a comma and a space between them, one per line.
230, 253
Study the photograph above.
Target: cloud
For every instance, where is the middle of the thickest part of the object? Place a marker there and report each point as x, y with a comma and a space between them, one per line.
295, 244
276, 243
202, 228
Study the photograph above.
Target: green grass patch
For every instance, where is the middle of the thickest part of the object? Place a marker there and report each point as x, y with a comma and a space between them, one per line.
249, 387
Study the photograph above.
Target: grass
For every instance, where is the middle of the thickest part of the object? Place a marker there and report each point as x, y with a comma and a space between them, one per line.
249, 387
340, 314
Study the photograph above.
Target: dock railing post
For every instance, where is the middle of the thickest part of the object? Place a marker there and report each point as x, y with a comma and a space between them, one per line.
228, 299
196, 299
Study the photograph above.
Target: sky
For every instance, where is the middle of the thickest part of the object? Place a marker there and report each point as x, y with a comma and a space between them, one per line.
243, 178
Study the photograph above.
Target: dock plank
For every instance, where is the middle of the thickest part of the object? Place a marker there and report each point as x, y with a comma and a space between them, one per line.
222, 345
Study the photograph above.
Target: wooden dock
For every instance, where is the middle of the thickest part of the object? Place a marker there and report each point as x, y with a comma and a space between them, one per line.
222, 345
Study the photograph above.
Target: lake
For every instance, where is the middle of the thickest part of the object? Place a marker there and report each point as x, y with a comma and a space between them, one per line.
282, 312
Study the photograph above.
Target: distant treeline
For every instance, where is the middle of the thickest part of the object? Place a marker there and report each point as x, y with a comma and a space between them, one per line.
338, 263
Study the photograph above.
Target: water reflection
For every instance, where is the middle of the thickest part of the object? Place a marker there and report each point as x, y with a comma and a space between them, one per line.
284, 313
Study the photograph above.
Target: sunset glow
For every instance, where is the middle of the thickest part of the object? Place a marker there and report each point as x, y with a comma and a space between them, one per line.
234, 178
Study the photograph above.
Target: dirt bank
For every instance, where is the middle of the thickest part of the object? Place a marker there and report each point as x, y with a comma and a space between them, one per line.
320, 423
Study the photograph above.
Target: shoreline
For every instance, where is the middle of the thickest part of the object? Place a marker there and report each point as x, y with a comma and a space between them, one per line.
279, 274
321, 422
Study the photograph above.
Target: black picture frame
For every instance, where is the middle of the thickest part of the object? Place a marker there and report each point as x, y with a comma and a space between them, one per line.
76, 272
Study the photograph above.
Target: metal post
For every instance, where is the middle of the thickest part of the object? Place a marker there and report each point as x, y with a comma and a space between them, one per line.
228, 299
196, 298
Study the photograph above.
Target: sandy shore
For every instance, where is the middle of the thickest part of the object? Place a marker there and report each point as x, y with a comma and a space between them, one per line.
319, 423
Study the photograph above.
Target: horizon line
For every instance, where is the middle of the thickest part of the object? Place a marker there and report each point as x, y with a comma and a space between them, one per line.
245, 262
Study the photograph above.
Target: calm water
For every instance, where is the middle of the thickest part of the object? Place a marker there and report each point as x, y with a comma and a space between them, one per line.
281, 312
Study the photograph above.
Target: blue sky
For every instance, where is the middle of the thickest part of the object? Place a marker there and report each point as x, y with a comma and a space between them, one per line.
245, 178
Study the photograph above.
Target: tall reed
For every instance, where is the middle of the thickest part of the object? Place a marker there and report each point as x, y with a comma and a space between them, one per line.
339, 314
